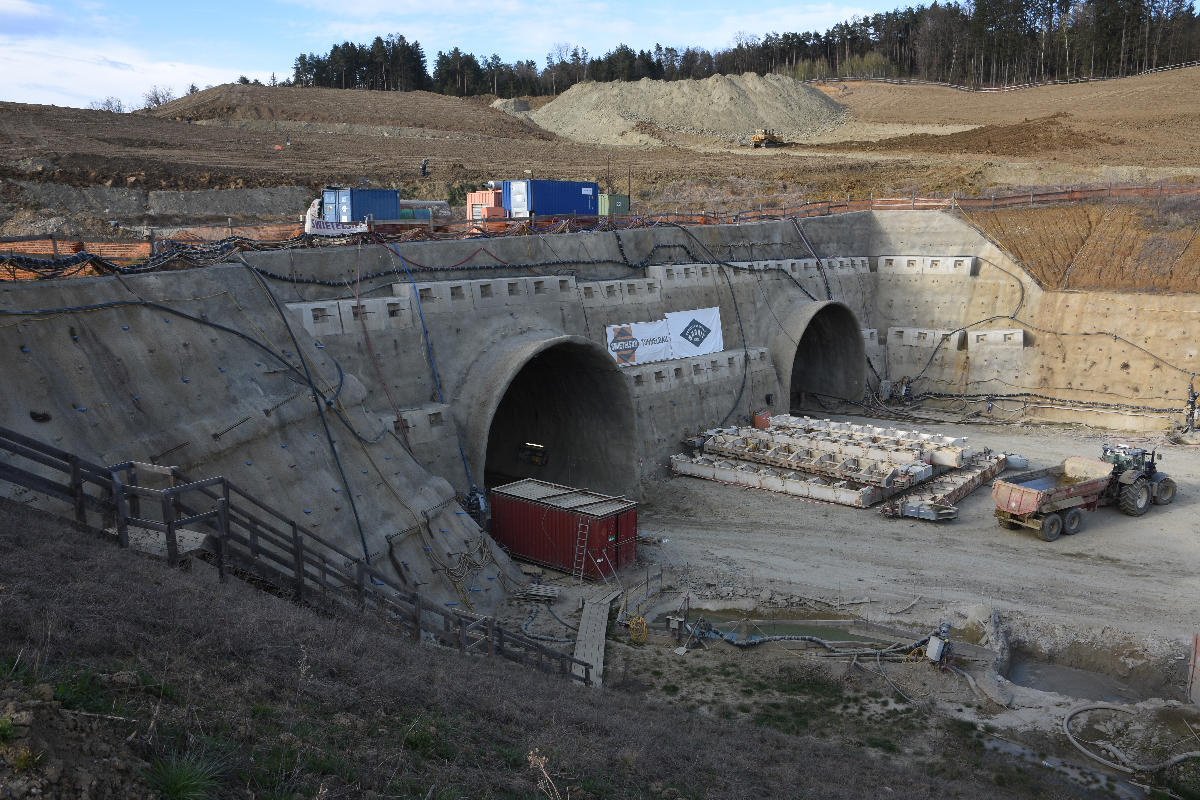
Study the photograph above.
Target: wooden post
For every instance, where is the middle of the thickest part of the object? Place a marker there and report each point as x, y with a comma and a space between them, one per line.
77, 490
500, 641
54, 244
462, 633
122, 510
222, 533
491, 636
168, 512
360, 575
416, 617
135, 502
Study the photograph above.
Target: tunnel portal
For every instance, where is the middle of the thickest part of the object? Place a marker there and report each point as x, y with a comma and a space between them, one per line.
566, 417
829, 360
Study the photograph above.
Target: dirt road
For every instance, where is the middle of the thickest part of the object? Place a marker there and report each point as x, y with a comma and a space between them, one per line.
1137, 576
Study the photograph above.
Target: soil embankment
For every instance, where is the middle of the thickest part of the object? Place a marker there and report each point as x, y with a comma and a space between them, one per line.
1152, 246
727, 108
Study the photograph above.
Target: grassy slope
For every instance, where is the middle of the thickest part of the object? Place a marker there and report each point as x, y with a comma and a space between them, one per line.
290, 701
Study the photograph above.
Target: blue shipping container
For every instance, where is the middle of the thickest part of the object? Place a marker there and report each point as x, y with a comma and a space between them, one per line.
550, 198
355, 205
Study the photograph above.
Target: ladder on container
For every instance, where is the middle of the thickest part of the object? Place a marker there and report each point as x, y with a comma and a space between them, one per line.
581, 542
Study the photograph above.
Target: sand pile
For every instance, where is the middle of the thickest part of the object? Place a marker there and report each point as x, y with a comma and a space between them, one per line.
723, 107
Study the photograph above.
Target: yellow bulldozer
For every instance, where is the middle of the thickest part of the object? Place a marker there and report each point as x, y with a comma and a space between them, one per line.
765, 137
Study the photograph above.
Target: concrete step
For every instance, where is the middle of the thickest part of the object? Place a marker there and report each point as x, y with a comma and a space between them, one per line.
154, 543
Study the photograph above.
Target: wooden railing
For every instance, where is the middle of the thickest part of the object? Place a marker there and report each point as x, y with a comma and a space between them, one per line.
245, 533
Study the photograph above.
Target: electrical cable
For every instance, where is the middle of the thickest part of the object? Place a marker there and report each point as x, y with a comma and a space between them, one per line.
433, 365
320, 402
362, 319
1128, 766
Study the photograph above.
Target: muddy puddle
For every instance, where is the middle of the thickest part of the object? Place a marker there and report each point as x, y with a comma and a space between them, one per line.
737, 623
1025, 669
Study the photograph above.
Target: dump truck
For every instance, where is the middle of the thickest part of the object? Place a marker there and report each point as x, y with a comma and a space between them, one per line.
1051, 501
765, 137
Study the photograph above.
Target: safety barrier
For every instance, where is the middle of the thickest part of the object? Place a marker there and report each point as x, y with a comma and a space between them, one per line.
249, 535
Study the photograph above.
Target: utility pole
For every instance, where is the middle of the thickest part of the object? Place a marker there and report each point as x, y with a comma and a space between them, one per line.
629, 188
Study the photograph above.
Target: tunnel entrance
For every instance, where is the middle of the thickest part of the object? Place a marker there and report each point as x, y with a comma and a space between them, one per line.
830, 359
566, 417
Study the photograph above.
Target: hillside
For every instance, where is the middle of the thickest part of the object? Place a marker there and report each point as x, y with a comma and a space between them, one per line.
392, 109
1150, 246
1148, 120
286, 703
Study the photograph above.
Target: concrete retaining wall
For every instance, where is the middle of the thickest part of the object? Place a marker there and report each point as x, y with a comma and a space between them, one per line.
446, 344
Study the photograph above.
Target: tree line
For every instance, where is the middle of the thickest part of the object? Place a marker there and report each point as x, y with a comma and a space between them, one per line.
985, 43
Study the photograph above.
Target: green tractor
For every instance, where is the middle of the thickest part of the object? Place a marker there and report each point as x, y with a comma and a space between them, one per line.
1136, 479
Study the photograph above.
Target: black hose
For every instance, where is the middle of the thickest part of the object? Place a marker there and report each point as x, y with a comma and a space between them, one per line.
318, 399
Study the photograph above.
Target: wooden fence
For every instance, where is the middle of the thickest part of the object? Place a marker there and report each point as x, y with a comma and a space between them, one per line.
247, 534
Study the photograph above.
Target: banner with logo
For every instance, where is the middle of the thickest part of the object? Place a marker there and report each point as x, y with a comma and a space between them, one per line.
695, 332
319, 227
639, 342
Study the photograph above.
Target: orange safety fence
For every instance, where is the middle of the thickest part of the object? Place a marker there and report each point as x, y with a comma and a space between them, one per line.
214, 233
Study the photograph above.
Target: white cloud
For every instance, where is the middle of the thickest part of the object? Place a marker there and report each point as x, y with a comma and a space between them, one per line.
55, 72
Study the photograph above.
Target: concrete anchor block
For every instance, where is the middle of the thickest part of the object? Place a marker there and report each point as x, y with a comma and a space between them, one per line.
319, 319
371, 314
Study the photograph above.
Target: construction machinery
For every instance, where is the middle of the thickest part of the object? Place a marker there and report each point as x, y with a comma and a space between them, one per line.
765, 137
1051, 501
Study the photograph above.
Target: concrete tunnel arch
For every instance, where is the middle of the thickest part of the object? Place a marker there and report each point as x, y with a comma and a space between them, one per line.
818, 349
560, 391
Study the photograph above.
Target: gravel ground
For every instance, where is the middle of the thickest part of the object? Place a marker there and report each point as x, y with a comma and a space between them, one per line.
1133, 577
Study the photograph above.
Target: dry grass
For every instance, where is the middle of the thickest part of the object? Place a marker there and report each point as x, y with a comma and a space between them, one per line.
292, 702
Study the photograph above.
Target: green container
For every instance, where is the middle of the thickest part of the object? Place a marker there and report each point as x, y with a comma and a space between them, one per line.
614, 204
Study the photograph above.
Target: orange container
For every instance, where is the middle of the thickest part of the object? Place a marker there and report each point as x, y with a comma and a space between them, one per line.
762, 420
493, 212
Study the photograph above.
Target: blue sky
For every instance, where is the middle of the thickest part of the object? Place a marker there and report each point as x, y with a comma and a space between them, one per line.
71, 52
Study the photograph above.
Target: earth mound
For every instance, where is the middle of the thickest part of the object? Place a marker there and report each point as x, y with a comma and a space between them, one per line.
724, 107
236, 102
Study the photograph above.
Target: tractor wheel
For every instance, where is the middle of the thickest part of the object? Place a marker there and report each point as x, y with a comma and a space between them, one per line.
1072, 522
1166, 492
1052, 525
1135, 498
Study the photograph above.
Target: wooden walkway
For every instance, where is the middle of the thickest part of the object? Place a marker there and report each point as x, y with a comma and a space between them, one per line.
593, 627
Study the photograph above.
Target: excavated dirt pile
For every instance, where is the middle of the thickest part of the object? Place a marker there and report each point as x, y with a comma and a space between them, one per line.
723, 107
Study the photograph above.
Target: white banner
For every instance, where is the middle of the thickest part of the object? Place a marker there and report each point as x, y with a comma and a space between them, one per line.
695, 332
639, 342
319, 227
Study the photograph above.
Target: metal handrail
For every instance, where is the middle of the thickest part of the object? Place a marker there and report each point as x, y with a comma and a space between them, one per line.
295, 550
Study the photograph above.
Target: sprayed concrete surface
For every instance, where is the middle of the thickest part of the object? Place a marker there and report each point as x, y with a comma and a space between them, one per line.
445, 376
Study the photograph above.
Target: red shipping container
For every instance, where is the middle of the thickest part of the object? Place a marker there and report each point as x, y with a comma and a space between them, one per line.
557, 526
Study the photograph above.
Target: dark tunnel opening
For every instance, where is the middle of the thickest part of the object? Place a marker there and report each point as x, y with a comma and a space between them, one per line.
830, 360
567, 418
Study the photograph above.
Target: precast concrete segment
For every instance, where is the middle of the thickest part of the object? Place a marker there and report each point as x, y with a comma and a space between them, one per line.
885, 444
827, 464
798, 484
